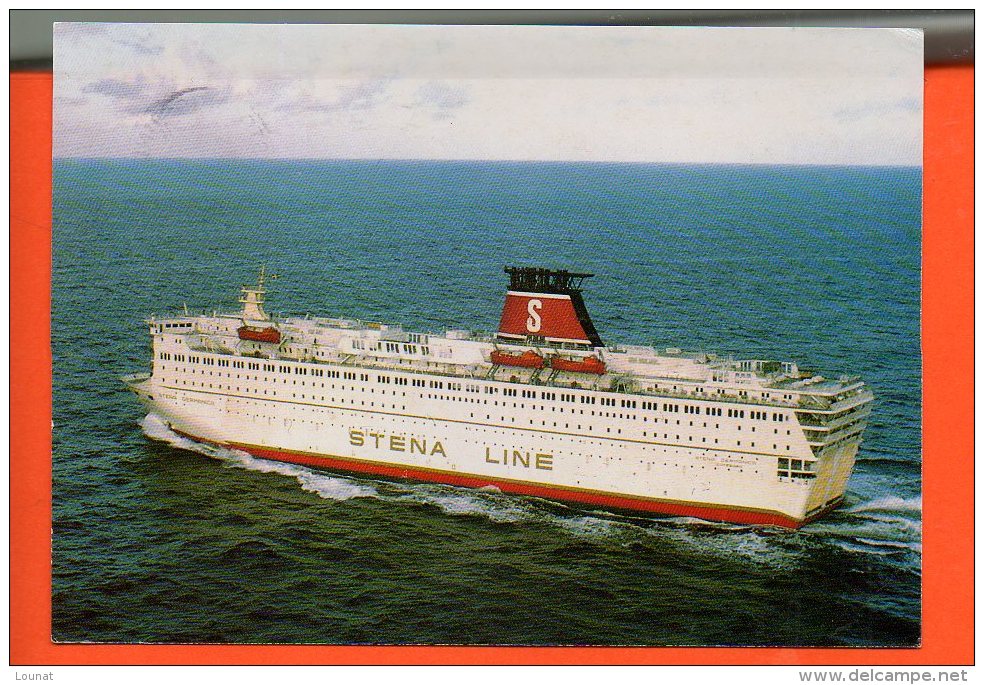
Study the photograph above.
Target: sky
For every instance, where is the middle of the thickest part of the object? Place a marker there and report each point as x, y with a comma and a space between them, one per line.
605, 94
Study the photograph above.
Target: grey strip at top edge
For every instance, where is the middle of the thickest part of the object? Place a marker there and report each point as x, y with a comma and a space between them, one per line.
949, 34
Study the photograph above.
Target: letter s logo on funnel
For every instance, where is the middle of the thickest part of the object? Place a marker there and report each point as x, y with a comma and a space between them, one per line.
534, 321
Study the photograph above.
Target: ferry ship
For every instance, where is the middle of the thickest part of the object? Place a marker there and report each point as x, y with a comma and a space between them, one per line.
542, 407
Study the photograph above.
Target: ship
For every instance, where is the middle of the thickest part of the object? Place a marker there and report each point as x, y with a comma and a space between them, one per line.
542, 407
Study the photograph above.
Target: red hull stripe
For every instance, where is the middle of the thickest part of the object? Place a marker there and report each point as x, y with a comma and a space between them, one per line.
600, 499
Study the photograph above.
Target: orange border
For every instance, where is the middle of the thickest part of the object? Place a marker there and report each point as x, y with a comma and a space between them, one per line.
948, 438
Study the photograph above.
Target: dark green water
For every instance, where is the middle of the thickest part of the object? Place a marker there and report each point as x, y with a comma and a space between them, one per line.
154, 541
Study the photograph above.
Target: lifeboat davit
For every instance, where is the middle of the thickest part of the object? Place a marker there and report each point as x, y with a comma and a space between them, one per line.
529, 359
585, 365
256, 334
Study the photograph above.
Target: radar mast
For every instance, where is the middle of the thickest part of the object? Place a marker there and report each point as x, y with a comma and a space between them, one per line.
252, 299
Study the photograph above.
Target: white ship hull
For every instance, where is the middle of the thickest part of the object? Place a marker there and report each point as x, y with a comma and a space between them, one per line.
636, 469
543, 408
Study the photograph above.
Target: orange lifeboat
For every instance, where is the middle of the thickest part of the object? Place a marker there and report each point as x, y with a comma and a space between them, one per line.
586, 365
529, 359
256, 334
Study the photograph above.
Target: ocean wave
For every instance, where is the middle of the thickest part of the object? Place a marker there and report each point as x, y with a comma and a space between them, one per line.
873, 528
892, 460
323, 485
488, 504
155, 428
890, 544
866, 547
887, 503
876, 538
588, 526
770, 548
900, 524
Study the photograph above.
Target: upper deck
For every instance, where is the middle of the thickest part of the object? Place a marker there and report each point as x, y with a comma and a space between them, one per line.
545, 338
633, 369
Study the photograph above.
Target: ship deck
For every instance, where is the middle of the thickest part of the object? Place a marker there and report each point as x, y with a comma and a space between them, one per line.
811, 393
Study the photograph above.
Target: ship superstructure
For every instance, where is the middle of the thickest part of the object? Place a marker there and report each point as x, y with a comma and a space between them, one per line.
541, 407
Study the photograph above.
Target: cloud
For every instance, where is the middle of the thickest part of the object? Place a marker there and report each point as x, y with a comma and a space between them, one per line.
878, 109
185, 101
116, 88
81, 30
69, 100
442, 98
361, 96
551, 93
160, 100
139, 39
141, 48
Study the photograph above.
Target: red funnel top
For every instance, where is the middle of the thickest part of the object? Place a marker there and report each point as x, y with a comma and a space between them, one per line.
545, 306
